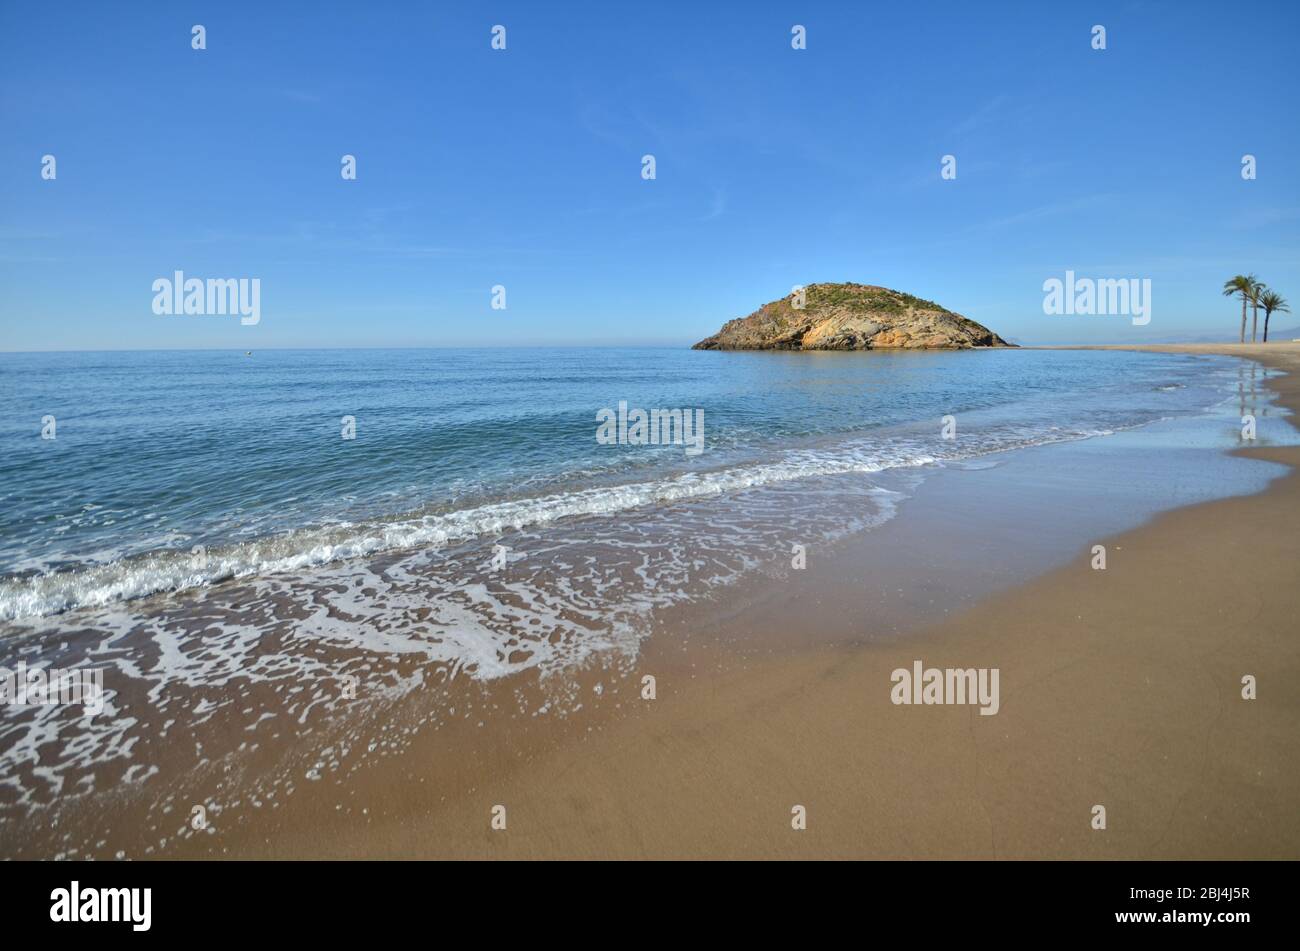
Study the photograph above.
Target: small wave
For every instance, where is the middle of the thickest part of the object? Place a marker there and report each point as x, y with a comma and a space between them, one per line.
175, 570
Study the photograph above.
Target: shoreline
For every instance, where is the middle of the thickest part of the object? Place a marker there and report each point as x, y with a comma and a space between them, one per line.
1119, 688
1116, 688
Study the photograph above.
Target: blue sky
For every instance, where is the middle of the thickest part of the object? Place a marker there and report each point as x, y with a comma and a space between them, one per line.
522, 168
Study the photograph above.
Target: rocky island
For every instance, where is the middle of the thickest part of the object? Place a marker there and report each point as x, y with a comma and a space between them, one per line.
851, 317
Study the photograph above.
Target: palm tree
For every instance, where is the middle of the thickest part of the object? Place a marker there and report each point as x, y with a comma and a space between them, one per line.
1243, 284
1272, 301
1256, 292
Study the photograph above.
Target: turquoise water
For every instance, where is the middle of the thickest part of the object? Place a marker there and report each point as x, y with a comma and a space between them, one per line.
156, 453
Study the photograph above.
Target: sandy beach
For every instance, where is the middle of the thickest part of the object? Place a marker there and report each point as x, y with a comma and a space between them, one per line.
1119, 688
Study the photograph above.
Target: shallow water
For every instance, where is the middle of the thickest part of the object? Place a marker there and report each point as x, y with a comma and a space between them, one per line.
175, 469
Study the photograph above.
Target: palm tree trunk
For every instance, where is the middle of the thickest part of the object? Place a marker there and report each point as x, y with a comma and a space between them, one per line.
1267, 315
1243, 318
1254, 321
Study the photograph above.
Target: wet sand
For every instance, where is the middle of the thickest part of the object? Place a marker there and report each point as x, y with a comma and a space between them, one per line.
1120, 688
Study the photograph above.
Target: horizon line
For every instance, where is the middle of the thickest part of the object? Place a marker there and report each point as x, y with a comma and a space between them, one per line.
599, 346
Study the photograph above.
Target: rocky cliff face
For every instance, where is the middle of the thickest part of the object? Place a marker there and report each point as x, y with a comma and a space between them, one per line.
851, 317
